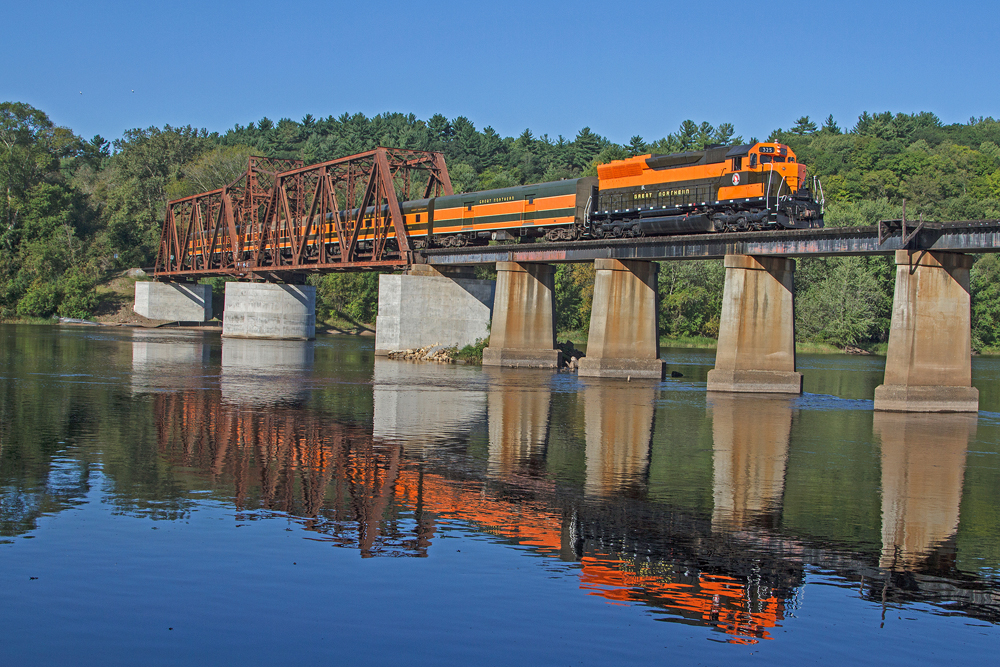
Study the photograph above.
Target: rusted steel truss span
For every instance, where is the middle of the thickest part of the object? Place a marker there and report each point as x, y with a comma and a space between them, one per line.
282, 218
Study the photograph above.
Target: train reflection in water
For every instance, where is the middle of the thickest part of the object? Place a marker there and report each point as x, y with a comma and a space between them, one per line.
454, 446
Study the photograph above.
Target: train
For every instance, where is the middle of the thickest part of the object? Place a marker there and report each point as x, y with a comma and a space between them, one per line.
751, 187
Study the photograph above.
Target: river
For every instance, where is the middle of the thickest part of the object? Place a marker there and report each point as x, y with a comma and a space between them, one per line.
173, 497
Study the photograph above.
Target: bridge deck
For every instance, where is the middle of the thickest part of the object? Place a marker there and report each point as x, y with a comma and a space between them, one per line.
969, 236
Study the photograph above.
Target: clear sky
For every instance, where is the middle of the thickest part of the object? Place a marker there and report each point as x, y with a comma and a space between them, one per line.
623, 68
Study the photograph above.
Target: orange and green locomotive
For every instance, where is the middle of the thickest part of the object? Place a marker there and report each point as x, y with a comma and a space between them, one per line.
735, 188
720, 189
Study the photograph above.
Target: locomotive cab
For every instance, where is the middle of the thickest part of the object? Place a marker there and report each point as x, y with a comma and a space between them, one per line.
766, 176
721, 188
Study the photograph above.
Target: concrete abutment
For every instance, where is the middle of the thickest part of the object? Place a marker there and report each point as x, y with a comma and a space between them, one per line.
624, 338
177, 302
266, 310
756, 349
427, 306
928, 365
523, 333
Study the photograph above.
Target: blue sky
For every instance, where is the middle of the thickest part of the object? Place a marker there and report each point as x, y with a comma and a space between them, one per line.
622, 68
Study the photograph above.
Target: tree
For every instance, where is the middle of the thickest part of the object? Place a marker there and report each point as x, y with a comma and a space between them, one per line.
145, 164
636, 146
212, 170
726, 135
803, 126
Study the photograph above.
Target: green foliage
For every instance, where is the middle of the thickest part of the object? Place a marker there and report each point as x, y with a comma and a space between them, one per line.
863, 213
984, 282
690, 298
574, 295
472, 354
144, 168
212, 170
40, 300
350, 296
844, 300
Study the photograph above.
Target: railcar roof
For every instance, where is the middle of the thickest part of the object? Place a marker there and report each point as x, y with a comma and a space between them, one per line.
515, 193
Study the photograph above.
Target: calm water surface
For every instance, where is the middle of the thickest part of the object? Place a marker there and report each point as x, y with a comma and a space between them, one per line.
176, 498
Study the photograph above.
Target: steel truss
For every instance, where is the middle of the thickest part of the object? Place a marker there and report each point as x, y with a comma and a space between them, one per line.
281, 219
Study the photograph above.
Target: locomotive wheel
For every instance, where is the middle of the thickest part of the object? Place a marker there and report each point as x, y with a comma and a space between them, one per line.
742, 224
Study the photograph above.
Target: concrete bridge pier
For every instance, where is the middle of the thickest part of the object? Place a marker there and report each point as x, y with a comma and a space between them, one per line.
928, 366
624, 339
266, 310
177, 302
427, 306
524, 325
756, 352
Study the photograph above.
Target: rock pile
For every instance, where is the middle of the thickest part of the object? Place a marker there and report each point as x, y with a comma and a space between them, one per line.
571, 355
435, 352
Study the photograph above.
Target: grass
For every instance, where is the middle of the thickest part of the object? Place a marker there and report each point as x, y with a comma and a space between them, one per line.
471, 354
575, 336
801, 347
30, 320
339, 324
692, 342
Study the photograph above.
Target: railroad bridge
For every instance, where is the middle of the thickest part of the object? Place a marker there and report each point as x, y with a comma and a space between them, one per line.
258, 229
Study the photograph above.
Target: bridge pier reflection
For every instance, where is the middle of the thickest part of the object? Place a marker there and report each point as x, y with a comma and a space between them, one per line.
265, 372
923, 470
162, 360
750, 437
519, 409
421, 405
618, 417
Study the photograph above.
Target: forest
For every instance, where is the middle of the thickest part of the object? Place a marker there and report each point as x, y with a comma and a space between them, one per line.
76, 211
